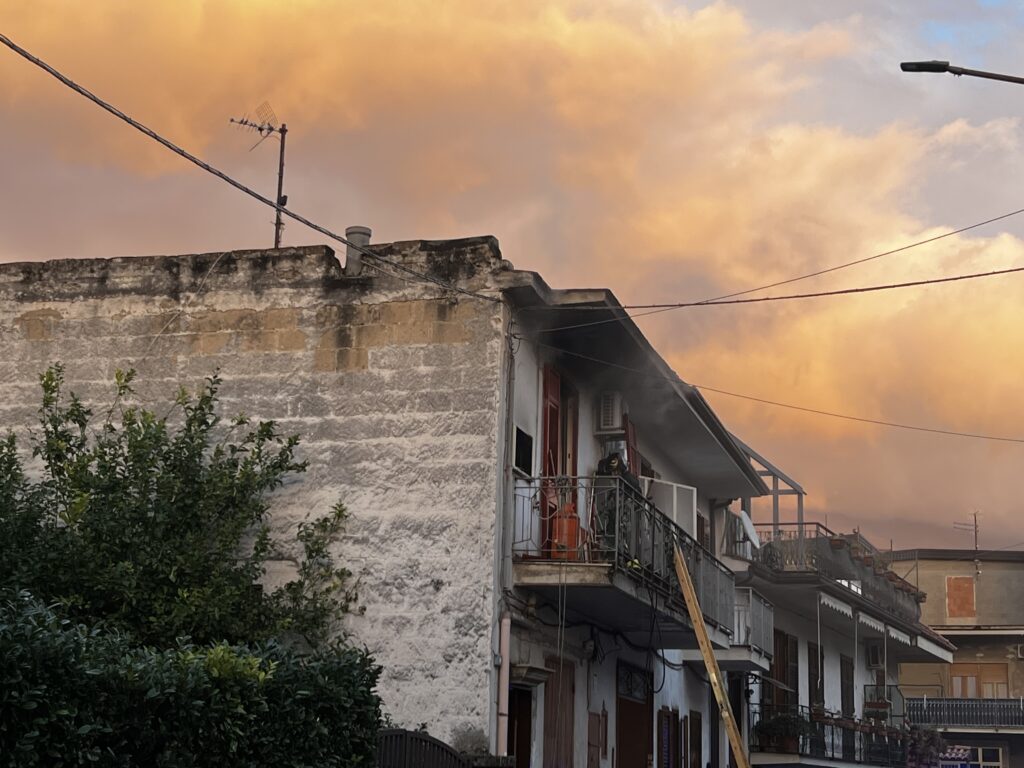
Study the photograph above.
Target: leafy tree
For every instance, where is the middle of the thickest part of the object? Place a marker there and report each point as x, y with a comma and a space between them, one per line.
73, 695
158, 525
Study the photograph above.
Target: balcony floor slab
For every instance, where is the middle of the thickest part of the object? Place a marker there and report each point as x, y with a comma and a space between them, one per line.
594, 592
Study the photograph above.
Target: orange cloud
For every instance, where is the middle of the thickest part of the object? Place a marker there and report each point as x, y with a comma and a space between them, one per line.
636, 144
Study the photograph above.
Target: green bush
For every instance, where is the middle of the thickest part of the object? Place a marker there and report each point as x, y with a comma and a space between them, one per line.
158, 524
73, 696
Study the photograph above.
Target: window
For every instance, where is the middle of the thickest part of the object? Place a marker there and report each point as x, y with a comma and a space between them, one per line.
524, 452
979, 681
960, 597
977, 757
668, 738
784, 671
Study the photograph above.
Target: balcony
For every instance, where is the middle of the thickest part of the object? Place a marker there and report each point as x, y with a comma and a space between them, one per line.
753, 639
778, 733
848, 560
608, 551
966, 714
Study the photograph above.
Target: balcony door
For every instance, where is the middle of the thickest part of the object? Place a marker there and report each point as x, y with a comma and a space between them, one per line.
847, 705
560, 438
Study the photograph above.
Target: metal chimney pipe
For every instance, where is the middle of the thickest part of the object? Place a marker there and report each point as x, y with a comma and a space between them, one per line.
359, 236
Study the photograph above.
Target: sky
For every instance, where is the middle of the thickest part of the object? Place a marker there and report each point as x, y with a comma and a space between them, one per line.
672, 151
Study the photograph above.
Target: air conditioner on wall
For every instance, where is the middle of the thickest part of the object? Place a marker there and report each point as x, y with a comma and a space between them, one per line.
609, 413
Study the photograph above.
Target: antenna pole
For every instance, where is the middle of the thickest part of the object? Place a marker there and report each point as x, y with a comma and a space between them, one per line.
281, 200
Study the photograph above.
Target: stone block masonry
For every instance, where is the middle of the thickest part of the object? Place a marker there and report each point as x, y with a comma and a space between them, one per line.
393, 384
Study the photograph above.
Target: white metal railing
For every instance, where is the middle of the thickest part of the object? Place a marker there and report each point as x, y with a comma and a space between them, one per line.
754, 621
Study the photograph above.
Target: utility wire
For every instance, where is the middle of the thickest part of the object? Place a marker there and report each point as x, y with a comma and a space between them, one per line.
656, 308
224, 177
837, 267
790, 406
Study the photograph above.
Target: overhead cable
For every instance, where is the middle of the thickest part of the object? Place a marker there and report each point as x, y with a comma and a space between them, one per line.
224, 177
757, 300
790, 406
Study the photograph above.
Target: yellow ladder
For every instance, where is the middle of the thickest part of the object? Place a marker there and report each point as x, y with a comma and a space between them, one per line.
714, 673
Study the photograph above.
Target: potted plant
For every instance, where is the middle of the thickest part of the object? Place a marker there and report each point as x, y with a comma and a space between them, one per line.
782, 732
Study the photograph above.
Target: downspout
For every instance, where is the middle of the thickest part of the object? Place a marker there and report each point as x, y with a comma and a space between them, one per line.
504, 648
504, 548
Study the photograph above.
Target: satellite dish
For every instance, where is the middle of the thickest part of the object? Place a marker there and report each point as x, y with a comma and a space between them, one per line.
748, 527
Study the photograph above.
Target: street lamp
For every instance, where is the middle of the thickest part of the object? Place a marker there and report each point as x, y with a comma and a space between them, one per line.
945, 66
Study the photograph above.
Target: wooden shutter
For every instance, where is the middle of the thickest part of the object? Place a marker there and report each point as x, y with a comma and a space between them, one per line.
559, 717
551, 464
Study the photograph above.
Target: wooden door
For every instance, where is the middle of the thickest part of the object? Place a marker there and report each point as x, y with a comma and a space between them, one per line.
634, 719
552, 451
559, 714
696, 740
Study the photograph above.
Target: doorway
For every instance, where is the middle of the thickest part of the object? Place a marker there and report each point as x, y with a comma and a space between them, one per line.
520, 722
634, 720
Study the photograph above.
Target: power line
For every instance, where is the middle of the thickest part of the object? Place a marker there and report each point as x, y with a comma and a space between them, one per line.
224, 177
790, 406
837, 267
764, 299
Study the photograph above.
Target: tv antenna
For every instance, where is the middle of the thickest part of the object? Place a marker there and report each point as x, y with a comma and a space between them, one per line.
266, 126
972, 526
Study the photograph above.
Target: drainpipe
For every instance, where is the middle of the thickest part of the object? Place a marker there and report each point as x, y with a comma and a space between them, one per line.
504, 643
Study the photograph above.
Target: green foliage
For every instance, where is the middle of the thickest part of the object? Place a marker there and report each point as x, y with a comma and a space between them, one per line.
157, 525
785, 725
74, 696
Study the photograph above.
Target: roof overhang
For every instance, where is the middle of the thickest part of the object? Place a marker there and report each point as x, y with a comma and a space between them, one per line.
606, 345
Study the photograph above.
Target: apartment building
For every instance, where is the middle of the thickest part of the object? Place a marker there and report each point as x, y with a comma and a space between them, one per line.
519, 465
977, 602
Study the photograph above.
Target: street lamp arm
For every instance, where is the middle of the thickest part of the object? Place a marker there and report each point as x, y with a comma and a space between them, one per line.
945, 66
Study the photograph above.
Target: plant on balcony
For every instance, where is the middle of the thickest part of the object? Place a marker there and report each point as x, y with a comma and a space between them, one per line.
924, 746
782, 732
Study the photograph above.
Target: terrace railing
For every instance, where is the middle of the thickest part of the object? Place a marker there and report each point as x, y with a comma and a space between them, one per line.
824, 735
608, 520
755, 621
966, 713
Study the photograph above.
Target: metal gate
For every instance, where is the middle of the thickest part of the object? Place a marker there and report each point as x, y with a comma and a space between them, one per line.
413, 749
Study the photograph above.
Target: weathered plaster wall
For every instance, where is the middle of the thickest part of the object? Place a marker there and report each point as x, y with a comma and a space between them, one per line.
394, 390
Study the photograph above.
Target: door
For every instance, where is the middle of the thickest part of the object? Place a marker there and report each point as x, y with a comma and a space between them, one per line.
634, 721
520, 721
559, 714
847, 706
696, 740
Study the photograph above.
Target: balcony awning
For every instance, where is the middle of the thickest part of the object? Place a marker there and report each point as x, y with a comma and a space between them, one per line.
901, 637
836, 605
871, 622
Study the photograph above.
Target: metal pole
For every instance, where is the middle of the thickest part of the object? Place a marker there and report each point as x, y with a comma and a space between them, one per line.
278, 225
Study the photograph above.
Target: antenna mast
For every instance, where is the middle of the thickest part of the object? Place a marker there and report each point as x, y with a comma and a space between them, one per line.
266, 125
972, 527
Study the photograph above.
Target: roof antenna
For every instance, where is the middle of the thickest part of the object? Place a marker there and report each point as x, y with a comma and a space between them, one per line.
963, 526
266, 125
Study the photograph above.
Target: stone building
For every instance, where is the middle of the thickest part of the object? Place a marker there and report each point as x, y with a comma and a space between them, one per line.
977, 602
518, 463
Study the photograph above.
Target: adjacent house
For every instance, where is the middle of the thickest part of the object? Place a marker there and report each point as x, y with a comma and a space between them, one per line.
977, 602
519, 464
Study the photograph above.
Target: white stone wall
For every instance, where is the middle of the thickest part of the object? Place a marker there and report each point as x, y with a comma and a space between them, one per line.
394, 386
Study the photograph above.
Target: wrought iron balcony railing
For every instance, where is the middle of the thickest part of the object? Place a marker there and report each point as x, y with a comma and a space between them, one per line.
848, 559
966, 713
754, 622
608, 520
825, 735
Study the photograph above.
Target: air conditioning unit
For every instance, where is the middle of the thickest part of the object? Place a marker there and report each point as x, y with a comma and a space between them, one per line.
1020, 650
609, 414
875, 658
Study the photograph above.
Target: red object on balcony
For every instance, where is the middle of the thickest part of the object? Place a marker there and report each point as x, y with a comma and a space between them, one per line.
565, 533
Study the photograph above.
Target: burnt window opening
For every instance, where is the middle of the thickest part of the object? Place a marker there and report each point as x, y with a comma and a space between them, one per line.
524, 452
